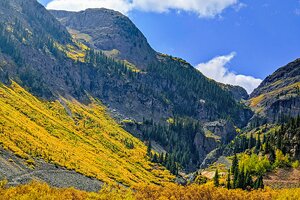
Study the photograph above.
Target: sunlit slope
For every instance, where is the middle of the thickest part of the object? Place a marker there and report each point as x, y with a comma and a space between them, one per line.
78, 137
277, 97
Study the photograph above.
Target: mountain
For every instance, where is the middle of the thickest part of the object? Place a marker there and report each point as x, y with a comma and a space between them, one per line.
109, 31
157, 89
277, 97
50, 63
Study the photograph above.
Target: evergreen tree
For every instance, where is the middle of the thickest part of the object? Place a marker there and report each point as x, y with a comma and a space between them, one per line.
161, 158
241, 179
259, 184
149, 148
264, 139
267, 146
155, 159
250, 142
235, 164
258, 144
235, 170
228, 185
279, 139
272, 156
248, 180
216, 178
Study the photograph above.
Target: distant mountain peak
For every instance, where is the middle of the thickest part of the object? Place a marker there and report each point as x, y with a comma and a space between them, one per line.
109, 30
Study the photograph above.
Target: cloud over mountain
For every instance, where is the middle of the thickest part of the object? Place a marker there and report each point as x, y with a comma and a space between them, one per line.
204, 8
217, 70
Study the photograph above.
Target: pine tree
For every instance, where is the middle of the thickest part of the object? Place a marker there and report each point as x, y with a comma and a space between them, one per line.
241, 179
235, 178
155, 159
250, 143
264, 139
235, 170
267, 146
228, 185
258, 144
216, 179
248, 180
259, 184
235, 164
272, 156
279, 139
149, 148
161, 158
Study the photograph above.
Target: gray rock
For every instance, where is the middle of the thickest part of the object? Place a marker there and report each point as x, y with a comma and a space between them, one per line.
17, 171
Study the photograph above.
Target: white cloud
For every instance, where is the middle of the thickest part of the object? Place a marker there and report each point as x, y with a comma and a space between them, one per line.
123, 6
204, 8
216, 69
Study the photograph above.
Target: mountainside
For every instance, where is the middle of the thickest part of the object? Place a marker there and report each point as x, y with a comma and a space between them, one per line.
52, 64
109, 31
277, 98
238, 92
102, 28
80, 138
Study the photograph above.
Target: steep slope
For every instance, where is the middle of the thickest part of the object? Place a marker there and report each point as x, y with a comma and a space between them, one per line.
109, 31
77, 137
239, 93
277, 98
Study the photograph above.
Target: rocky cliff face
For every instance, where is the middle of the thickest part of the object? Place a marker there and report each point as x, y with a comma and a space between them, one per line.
205, 145
277, 98
109, 31
238, 92
221, 130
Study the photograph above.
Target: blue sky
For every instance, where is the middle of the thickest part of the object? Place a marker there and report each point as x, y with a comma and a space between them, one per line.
236, 37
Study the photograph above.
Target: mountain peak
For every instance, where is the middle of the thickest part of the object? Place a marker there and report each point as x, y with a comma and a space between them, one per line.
109, 31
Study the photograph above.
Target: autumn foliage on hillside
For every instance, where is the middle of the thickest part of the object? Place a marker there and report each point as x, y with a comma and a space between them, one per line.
78, 137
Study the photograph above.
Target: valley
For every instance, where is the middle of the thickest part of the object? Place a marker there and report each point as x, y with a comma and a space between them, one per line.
87, 104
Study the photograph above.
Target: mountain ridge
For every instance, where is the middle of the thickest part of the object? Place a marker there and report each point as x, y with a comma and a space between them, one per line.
109, 30
277, 97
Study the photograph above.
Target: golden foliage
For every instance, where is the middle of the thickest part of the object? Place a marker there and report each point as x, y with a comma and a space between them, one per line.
256, 101
75, 52
42, 191
131, 66
208, 192
76, 136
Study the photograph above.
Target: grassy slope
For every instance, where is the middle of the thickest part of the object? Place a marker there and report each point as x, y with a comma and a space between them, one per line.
76, 136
